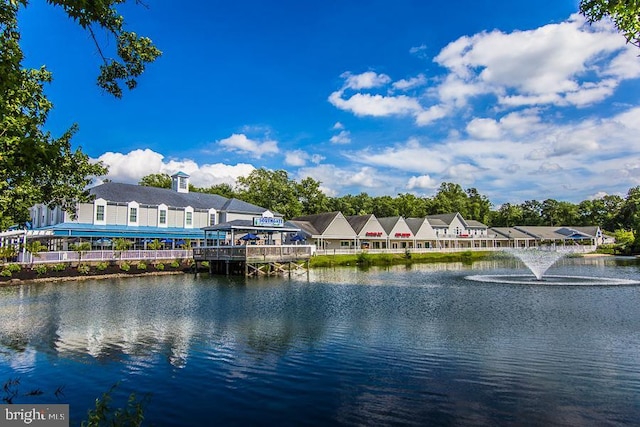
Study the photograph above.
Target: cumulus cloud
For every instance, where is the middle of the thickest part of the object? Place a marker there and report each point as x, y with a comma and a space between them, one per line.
483, 129
365, 80
569, 63
133, 166
364, 104
344, 137
413, 82
256, 149
422, 182
566, 64
296, 158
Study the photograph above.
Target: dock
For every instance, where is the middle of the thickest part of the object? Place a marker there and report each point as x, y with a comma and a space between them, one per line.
255, 260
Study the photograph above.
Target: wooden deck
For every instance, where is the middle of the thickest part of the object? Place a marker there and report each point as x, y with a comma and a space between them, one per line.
255, 260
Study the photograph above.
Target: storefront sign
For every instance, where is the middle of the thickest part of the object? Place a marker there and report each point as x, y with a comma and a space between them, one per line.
373, 234
261, 221
403, 235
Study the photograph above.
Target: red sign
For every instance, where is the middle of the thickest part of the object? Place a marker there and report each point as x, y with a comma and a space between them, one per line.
373, 234
403, 235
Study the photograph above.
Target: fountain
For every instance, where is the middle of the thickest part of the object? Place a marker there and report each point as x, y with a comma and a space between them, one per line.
538, 260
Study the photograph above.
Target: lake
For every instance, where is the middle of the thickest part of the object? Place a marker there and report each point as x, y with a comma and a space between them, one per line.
397, 346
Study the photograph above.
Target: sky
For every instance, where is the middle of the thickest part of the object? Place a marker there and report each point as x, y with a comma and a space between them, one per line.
521, 100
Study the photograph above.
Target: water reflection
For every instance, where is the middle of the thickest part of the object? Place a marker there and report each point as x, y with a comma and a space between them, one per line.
392, 345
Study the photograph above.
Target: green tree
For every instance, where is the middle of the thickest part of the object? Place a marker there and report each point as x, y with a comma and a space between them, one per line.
625, 14
313, 200
450, 198
35, 167
160, 180
531, 212
507, 215
478, 206
410, 206
35, 247
80, 248
272, 190
224, 190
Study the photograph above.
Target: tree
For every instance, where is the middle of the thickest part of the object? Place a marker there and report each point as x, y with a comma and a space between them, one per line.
625, 14
224, 190
313, 200
35, 167
160, 180
450, 198
272, 190
478, 206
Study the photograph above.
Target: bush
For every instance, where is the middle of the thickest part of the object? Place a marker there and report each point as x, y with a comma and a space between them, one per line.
5, 272
84, 268
363, 259
188, 262
101, 266
141, 266
175, 263
159, 266
58, 267
40, 269
125, 266
14, 268
205, 264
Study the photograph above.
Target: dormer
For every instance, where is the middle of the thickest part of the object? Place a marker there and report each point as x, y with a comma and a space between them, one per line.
180, 182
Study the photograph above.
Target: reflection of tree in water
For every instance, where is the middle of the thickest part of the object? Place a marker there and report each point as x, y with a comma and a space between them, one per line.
16, 342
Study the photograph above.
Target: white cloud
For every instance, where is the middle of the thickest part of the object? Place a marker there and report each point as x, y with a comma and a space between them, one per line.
296, 158
256, 149
344, 137
338, 126
422, 182
364, 104
405, 84
484, 129
133, 166
553, 64
365, 80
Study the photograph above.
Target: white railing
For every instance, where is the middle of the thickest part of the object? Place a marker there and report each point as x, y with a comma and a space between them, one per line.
352, 251
98, 256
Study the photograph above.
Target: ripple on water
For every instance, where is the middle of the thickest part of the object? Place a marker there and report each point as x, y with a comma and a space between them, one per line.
552, 280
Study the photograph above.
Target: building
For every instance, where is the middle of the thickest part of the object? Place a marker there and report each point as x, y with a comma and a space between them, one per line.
141, 215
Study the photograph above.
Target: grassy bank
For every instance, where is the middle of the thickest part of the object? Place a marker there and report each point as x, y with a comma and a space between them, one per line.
367, 259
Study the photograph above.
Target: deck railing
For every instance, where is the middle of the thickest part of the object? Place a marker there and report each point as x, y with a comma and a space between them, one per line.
253, 253
99, 256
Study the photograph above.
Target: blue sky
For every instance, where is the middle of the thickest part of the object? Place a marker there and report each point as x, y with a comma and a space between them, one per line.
521, 100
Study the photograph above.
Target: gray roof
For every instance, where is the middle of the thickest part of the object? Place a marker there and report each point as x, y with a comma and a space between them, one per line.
319, 221
445, 219
305, 226
389, 222
357, 222
247, 225
472, 223
510, 233
124, 193
414, 224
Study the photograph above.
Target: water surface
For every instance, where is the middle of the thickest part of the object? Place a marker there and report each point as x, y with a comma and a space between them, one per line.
399, 346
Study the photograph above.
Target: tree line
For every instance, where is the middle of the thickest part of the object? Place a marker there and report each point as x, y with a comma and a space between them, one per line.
276, 191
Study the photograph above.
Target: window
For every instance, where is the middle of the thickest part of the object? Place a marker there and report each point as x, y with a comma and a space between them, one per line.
212, 218
182, 183
133, 215
162, 219
188, 218
100, 213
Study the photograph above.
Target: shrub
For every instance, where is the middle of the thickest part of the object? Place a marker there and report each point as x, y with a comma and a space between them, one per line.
175, 263
188, 262
84, 268
14, 268
5, 272
205, 264
40, 269
58, 267
363, 259
101, 266
159, 266
125, 266
141, 266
